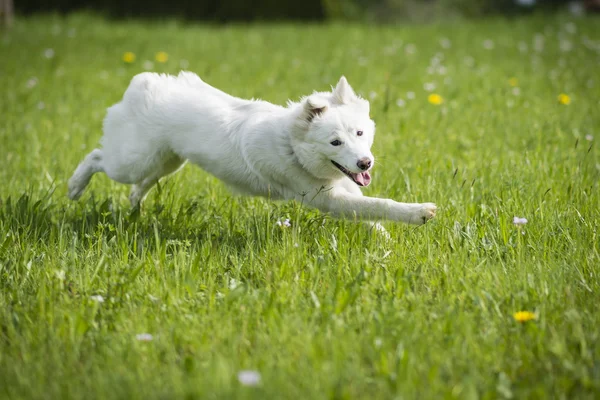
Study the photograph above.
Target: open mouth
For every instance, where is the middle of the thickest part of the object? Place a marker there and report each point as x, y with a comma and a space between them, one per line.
361, 179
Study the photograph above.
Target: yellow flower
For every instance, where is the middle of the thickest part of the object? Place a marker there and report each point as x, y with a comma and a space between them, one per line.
523, 316
513, 82
564, 99
435, 99
161, 57
128, 57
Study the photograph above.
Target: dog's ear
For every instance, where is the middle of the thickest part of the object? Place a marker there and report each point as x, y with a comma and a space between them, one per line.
343, 93
314, 105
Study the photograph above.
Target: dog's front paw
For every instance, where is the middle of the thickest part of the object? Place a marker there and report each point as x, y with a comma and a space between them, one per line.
427, 212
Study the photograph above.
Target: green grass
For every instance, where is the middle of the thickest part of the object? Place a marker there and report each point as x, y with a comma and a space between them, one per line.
321, 309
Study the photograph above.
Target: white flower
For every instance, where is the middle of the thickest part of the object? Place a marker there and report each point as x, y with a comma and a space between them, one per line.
49, 53
249, 378
516, 91
570, 27
32, 82
41, 105
522, 46
144, 337
97, 298
233, 284
148, 65
60, 274
576, 8
400, 103
378, 342
488, 44
285, 223
445, 43
589, 138
429, 86
565, 46
184, 64
72, 32
410, 95
538, 42
469, 61
519, 221
525, 3
410, 48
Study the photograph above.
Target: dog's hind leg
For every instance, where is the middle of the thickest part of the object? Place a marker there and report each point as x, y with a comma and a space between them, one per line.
140, 189
91, 164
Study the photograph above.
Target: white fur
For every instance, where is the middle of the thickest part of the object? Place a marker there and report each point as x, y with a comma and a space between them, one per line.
253, 146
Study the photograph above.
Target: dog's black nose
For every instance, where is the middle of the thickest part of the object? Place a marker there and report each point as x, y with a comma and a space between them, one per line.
364, 163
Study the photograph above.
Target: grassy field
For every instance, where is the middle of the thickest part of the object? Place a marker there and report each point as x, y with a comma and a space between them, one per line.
175, 301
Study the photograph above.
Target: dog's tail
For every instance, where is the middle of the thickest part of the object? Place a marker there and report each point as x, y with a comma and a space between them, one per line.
91, 164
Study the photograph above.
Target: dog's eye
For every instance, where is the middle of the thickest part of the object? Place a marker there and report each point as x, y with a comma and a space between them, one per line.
336, 143
359, 133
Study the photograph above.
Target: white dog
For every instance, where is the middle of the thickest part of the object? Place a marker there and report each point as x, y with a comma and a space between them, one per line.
316, 151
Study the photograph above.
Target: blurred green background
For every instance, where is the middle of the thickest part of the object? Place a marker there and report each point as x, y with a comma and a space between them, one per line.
261, 10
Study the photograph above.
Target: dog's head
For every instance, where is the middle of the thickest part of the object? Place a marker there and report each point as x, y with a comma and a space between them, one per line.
334, 135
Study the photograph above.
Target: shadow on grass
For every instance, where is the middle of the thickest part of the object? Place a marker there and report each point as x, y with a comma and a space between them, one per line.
39, 219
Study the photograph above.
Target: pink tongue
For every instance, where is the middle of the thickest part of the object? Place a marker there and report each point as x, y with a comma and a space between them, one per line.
363, 179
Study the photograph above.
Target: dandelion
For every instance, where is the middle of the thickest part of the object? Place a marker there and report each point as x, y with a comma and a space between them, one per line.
161, 57
435, 99
249, 378
400, 102
49, 53
410, 48
144, 337
519, 221
589, 138
488, 44
523, 316
128, 57
372, 94
513, 82
516, 91
410, 95
41, 105
98, 298
378, 342
564, 99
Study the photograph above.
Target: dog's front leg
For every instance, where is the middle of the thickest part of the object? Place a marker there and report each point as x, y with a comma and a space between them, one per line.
340, 202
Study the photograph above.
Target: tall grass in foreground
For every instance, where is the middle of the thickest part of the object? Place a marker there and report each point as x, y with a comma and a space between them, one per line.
491, 120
